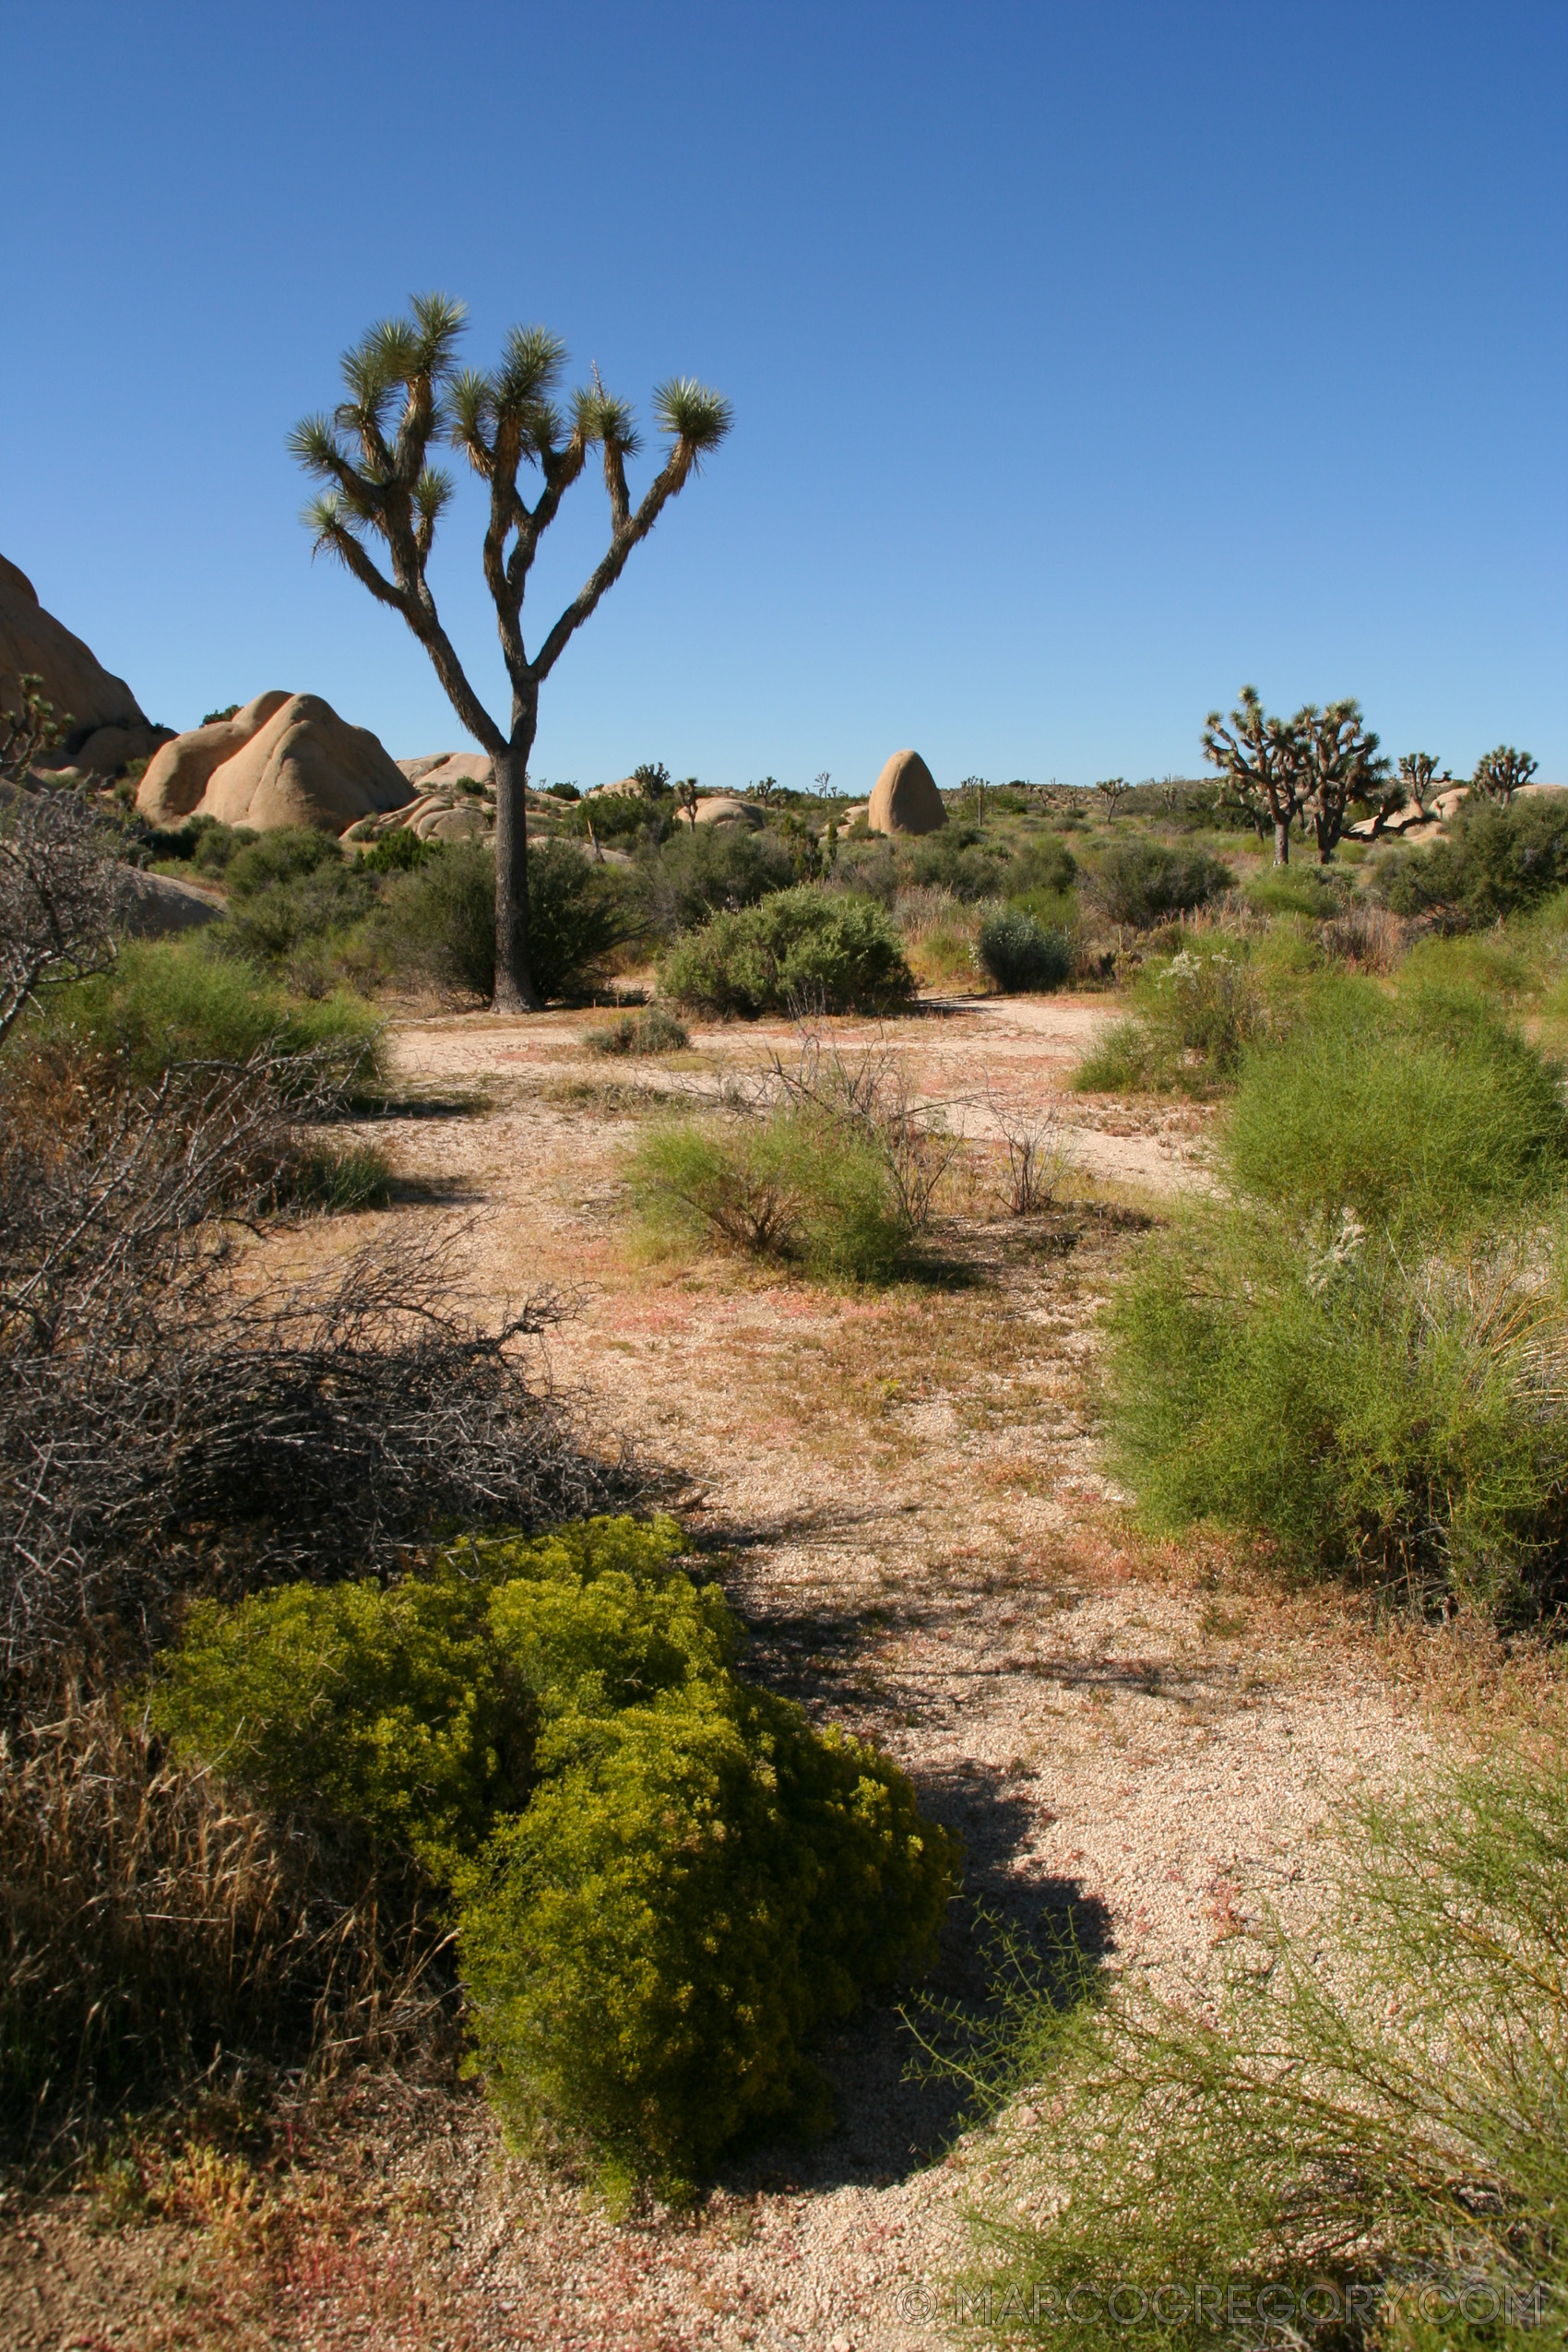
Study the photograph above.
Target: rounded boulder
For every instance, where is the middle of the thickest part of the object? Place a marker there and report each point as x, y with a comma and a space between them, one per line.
905, 799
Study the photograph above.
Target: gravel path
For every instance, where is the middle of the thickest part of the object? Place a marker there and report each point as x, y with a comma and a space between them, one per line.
904, 1498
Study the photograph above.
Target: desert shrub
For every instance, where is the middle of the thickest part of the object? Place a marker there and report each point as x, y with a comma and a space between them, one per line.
283, 910
287, 855
957, 859
1018, 954
1044, 865
400, 851
172, 1000
664, 1881
1496, 860
439, 922
1198, 1010
1120, 1061
1361, 2141
708, 869
1395, 1421
1320, 893
795, 1184
654, 1031
838, 952
1425, 1118
1141, 883
338, 1177
579, 915
201, 841
615, 816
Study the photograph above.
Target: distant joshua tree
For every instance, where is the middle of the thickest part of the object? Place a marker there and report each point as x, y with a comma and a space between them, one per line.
1500, 775
1259, 762
654, 778
1417, 773
1343, 771
687, 794
405, 391
766, 791
1113, 789
823, 781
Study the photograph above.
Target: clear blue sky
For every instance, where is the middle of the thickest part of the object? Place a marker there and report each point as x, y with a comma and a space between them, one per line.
1087, 359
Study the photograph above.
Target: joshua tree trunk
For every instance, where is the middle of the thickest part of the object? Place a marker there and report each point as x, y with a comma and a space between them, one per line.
514, 991
1281, 840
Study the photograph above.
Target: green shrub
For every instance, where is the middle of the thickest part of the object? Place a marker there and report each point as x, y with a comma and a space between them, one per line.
286, 855
795, 1184
1018, 954
704, 870
1361, 2141
438, 922
400, 851
958, 859
1198, 1012
654, 1031
1120, 1061
614, 817
337, 1177
1141, 883
664, 1881
1387, 1420
1317, 891
288, 890
172, 1000
1496, 860
839, 953
1423, 1118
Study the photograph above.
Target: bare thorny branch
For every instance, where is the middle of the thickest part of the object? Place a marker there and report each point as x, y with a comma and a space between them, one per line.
167, 1420
57, 895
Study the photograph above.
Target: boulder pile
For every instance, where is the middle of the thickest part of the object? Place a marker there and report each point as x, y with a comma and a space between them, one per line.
284, 759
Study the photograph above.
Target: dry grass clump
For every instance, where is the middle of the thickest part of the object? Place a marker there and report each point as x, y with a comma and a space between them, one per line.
156, 1926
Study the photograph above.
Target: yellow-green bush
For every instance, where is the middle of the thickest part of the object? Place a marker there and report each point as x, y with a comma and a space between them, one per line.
663, 1881
794, 1185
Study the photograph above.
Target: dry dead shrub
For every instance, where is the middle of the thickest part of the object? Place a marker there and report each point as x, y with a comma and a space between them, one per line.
1368, 939
167, 1422
154, 1926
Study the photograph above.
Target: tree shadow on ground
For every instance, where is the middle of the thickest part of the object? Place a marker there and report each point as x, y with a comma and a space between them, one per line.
896, 2114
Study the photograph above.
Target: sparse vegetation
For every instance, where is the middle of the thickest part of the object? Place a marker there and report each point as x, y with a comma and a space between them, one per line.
1361, 2141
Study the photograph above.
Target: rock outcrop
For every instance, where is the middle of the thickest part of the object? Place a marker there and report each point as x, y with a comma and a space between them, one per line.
108, 727
447, 771
723, 808
284, 759
155, 906
905, 798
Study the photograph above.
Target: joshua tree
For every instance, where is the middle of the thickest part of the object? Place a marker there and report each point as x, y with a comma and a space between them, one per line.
1113, 789
376, 464
1499, 775
654, 778
1417, 773
1343, 769
687, 794
32, 727
767, 790
823, 781
1260, 760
